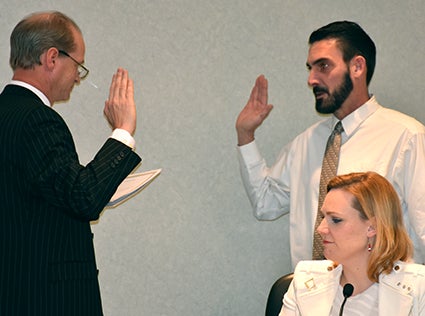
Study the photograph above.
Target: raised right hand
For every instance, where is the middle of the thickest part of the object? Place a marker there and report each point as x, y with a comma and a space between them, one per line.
120, 108
254, 112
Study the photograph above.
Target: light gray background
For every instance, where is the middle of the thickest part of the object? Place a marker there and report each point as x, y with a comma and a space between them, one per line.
188, 244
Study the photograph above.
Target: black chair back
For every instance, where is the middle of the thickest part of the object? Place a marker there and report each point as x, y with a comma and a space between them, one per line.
277, 291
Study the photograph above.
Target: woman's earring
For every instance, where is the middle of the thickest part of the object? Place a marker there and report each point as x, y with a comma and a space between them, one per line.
369, 244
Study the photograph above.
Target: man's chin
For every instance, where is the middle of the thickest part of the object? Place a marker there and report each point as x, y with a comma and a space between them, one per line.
63, 99
321, 108
324, 107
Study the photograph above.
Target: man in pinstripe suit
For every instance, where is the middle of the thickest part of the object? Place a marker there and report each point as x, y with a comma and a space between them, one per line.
47, 199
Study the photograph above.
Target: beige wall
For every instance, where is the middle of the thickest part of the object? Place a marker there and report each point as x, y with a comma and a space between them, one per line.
188, 244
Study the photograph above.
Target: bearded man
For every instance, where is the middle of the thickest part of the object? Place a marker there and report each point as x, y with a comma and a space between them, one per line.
341, 62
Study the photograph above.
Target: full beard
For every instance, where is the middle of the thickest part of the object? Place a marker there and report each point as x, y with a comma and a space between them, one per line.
334, 100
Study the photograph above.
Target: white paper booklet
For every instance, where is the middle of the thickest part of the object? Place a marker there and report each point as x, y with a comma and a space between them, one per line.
132, 185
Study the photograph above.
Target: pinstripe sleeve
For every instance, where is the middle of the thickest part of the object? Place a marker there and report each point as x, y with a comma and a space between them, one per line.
56, 174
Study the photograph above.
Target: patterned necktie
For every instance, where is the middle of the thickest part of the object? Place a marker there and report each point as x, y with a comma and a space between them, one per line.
329, 167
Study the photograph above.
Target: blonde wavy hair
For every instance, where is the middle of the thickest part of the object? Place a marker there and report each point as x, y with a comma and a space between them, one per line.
375, 198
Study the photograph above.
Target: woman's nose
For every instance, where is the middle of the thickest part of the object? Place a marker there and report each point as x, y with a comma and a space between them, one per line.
322, 228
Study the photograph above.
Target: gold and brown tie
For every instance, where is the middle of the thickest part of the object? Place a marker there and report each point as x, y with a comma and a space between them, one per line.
329, 167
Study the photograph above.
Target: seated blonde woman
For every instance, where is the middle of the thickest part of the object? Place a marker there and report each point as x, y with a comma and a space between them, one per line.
368, 251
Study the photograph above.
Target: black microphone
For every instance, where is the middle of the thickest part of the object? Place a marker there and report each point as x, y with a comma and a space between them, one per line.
347, 291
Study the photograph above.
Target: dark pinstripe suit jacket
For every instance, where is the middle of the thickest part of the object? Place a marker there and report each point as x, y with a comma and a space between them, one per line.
47, 200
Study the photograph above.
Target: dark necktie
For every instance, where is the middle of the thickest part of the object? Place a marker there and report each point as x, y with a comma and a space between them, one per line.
329, 167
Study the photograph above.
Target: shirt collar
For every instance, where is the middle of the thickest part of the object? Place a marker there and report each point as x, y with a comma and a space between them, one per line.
353, 121
40, 94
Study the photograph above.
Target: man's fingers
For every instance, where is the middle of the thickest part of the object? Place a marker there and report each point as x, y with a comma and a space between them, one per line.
118, 87
263, 90
130, 89
122, 79
259, 93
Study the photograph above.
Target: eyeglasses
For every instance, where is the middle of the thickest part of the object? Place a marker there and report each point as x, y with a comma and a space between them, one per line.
82, 71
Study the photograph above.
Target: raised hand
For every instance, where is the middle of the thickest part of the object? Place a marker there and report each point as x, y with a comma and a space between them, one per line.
120, 108
254, 112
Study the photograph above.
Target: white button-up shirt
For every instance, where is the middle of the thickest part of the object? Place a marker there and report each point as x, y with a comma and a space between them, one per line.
374, 139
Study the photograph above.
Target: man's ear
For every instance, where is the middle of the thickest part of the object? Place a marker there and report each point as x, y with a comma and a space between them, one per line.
49, 58
358, 66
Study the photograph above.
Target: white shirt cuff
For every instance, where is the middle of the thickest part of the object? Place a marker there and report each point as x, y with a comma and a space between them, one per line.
124, 137
250, 153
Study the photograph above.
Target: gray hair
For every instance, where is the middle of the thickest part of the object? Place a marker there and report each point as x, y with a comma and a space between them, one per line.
38, 32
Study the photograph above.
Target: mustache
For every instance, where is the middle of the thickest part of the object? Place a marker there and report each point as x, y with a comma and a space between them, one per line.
319, 89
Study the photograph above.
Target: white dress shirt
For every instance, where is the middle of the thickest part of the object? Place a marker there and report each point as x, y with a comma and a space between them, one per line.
374, 139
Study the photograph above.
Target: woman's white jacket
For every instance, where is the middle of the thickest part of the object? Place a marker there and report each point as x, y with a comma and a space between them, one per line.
313, 289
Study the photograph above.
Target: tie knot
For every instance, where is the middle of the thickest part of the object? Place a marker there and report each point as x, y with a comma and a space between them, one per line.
338, 128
